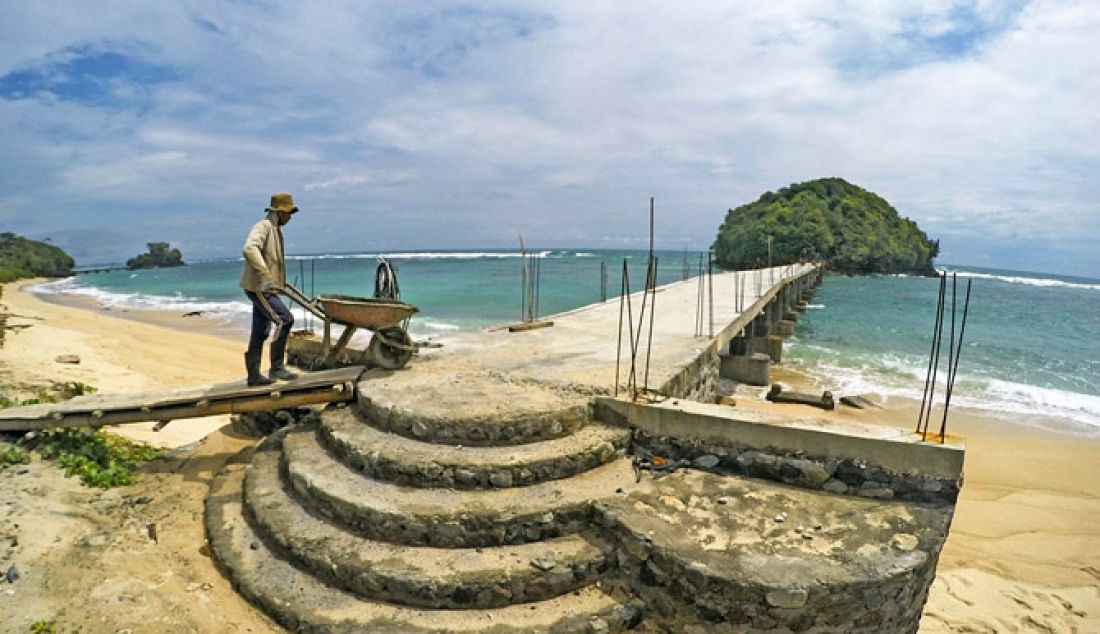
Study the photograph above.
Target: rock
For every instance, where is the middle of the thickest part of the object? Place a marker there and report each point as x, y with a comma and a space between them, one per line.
835, 486
631, 615
13, 574
813, 472
254, 545
67, 358
502, 479
787, 597
545, 564
931, 486
876, 490
708, 461
419, 429
782, 517
596, 625
723, 500
807, 536
904, 541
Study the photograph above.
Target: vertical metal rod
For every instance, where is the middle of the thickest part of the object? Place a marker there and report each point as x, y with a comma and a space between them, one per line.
652, 312
630, 381
638, 340
931, 351
710, 288
935, 367
955, 371
619, 346
538, 283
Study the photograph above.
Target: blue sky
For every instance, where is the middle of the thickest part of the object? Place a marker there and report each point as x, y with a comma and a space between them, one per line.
446, 125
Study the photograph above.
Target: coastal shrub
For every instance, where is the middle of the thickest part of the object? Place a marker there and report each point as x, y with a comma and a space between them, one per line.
160, 254
99, 459
43, 627
14, 454
854, 230
21, 257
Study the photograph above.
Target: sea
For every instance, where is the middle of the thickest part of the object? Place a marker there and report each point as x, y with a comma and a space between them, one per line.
1030, 350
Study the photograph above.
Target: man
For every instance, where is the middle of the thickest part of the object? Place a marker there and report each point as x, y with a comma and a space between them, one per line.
263, 276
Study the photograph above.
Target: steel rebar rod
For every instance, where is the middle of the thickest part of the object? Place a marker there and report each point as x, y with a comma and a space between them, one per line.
955, 370
710, 287
619, 345
935, 367
652, 312
931, 351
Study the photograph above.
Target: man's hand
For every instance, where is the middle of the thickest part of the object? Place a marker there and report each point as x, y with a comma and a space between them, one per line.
267, 286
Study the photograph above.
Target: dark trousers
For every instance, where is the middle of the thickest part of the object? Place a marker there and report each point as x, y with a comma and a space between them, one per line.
268, 310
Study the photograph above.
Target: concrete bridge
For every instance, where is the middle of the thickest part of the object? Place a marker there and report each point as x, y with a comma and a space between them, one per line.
498, 484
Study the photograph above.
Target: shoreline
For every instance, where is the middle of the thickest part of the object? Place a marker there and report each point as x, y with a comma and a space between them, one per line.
1026, 527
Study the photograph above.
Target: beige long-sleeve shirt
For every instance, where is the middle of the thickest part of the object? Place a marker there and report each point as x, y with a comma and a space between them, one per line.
263, 255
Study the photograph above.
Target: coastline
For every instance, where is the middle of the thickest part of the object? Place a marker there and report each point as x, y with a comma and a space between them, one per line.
1023, 541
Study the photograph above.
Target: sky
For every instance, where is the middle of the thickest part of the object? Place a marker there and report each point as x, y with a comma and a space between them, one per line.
444, 125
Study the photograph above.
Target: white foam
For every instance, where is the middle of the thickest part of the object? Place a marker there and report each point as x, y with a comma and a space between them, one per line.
423, 255
815, 306
177, 303
1030, 281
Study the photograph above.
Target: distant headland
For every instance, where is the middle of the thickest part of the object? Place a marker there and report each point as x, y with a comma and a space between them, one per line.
159, 255
855, 231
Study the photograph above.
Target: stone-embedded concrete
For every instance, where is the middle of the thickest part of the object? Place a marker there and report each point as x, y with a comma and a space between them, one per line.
864, 460
445, 517
418, 576
304, 603
761, 557
402, 460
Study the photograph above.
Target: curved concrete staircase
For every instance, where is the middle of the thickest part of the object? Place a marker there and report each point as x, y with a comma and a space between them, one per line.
360, 525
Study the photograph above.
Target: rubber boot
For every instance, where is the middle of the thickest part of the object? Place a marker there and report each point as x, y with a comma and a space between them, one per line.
252, 364
282, 374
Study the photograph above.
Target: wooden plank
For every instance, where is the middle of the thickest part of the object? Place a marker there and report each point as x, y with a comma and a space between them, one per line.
529, 325
184, 397
98, 418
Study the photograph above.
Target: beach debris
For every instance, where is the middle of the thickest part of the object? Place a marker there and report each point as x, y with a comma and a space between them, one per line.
151, 529
778, 395
782, 517
67, 358
12, 575
194, 313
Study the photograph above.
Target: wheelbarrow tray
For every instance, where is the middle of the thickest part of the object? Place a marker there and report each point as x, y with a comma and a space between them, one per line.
364, 312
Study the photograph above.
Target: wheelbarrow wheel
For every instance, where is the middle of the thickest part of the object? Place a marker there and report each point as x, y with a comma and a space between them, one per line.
383, 355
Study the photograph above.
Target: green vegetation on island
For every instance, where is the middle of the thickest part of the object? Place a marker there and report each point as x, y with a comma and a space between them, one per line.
855, 231
159, 255
21, 257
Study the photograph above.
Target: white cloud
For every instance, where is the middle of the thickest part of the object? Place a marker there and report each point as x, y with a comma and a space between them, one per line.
977, 119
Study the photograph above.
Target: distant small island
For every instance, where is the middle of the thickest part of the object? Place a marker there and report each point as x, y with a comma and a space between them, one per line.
21, 257
855, 231
159, 255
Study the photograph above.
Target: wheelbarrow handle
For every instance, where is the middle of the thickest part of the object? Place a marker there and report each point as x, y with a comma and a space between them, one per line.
300, 298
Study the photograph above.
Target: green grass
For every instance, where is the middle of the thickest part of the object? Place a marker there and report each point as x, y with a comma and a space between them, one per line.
43, 627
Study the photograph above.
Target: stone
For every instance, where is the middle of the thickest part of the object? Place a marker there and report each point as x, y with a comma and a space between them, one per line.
419, 429
709, 461
782, 517
876, 490
723, 500
631, 615
254, 545
787, 597
813, 473
502, 479
597, 625
13, 574
904, 541
835, 486
931, 486
67, 358
465, 477
544, 564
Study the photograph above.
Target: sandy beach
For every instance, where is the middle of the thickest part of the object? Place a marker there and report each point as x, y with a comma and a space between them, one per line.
1022, 554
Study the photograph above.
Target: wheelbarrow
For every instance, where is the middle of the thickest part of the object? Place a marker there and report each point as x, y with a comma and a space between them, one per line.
390, 347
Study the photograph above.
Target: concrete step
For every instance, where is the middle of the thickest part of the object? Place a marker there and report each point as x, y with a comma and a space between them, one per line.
768, 557
470, 408
403, 460
301, 602
415, 575
445, 517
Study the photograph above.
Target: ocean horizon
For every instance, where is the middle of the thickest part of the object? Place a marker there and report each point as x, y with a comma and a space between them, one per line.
1030, 351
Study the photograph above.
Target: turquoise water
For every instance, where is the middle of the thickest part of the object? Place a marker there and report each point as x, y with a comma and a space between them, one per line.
1031, 346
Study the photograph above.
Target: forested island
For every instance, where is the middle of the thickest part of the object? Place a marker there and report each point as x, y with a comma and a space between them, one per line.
159, 255
21, 257
853, 230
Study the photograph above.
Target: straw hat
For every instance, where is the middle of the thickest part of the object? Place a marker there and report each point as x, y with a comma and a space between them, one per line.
282, 202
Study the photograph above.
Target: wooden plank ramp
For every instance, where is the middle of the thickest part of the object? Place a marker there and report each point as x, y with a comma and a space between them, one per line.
97, 410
